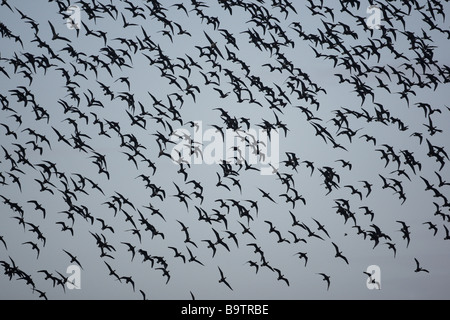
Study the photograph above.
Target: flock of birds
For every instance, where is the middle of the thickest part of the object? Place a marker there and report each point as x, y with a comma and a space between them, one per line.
223, 212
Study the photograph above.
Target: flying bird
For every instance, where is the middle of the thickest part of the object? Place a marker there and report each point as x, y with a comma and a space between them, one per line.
281, 277
223, 279
73, 259
339, 253
2, 239
56, 36
266, 195
302, 255
326, 278
419, 268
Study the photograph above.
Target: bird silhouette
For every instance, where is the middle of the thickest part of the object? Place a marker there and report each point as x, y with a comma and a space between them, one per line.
302, 255
73, 259
419, 268
178, 254
281, 276
193, 258
35, 247
326, 278
339, 253
56, 36
223, 279
431, 226
447, 235
2, 239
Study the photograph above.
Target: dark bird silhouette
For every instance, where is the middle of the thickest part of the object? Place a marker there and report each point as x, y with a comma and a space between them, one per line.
296, 238
367, 186
187, 236
41, 293
49, 276
129, 279
254, 204
253, 264
2, 239
9, 132
405, 231
35, 247
278, 233
392, 247
247, 230
181, 195
65, 227
321, 227
178, 254
447, 234
213, 45
339, 253
127, 24
73, 259
5, 3
368, 212
369, 276
232, 235
266, 195
193, 258
345, 164
56, 36
442, 182
112, 272
419, 268
104, 225
354, 191
131, 249
211, 246
431, 226
219, 240
144, 296
302, 255
326, 278
38, 206
180, 6
369, 138
310, 233
16, 180
281, 277
165, 273
295, 222
220, 183
223, 279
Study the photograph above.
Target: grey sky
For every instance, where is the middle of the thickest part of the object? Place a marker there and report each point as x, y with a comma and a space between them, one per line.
398, 279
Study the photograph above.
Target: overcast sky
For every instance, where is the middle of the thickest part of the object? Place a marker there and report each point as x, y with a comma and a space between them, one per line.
398, 279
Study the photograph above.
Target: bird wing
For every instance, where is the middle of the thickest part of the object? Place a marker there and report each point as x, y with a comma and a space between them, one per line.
68, 253
221, 273
228, 285
335, 247
417, 263
190, 253
269, 223
52, 27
